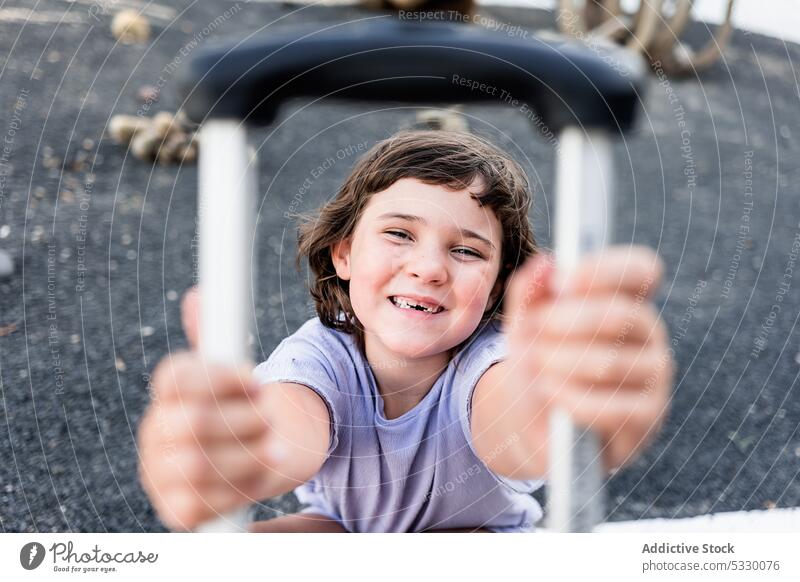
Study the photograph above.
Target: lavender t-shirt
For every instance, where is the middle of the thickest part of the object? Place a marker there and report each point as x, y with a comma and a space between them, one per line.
412, 473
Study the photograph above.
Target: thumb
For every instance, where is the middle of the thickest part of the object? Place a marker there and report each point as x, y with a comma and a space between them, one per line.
530, 282
190, 316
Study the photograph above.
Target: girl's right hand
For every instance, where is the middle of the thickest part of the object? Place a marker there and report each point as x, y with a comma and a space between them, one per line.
204, 442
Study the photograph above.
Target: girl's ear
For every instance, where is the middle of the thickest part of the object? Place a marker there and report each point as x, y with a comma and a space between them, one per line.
340, 254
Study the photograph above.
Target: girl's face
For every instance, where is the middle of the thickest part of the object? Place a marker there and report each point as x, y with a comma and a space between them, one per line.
422, 264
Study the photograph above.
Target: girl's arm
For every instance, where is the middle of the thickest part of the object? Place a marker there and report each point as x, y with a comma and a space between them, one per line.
595, 348
300, 433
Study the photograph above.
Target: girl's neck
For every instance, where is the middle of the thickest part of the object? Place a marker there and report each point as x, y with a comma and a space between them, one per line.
402, 382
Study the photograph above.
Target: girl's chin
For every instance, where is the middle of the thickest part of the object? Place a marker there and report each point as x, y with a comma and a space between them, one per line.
412, 344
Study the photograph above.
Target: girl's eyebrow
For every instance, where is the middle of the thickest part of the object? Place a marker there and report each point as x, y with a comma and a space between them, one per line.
465, 232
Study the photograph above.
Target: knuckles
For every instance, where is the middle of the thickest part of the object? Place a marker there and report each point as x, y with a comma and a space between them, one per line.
180, 511
169, 370
191, 423
195, 466
642, 264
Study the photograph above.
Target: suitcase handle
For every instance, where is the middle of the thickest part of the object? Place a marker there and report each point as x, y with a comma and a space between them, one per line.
385, 59
568, 88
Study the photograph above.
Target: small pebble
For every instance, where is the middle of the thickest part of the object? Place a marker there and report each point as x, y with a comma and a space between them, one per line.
164, 122
6, 264
129, 26
123, 128
51, 162
37, 233
145, 144
147, 94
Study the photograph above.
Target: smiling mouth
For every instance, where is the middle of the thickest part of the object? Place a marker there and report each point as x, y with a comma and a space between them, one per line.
403, 303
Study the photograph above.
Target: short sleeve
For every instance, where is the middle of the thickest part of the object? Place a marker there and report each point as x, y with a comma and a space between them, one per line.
487, 349
306, 358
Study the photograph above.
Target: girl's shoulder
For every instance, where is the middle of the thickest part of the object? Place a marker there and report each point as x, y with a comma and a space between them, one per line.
488, 338
316, 340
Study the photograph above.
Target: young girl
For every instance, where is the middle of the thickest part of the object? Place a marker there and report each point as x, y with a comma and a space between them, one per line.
419, 398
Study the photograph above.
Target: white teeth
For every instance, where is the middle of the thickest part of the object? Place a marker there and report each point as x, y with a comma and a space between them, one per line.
403, 304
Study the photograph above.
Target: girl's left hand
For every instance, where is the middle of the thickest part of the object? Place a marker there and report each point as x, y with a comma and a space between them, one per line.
594, 346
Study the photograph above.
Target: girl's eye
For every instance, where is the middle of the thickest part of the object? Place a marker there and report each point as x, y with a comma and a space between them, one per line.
468, 253
462, 251
398, 234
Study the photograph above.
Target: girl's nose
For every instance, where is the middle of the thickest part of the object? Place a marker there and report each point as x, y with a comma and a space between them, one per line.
427, 265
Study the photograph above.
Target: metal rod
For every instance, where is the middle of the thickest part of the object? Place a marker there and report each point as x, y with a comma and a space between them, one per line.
226, 185
584, 213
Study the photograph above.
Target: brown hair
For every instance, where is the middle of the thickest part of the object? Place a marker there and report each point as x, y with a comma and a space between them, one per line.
449, 159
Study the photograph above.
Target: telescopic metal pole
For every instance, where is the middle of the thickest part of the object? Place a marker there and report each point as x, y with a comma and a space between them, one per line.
227, 185
584, 212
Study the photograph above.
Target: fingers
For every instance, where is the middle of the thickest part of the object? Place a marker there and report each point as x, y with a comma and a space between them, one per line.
596, 365
198, 423
528, 284
186, 376
190, 316
631, 270
166, 460
189, 484
182, 509
624, 418
230, 462
619, 319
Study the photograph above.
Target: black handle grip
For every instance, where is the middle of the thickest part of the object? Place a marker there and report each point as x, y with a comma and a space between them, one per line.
384, 59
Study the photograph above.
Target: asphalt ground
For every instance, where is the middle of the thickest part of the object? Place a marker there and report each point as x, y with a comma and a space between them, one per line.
104, 244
